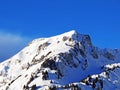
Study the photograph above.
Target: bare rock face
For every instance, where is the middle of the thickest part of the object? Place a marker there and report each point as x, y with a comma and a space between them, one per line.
94, 53
88, 40
49, 63
109, 56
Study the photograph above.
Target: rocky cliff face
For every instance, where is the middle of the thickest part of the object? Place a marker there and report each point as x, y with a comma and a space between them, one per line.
65, 62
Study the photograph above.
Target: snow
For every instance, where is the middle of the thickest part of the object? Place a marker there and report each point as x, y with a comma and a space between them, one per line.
72, 54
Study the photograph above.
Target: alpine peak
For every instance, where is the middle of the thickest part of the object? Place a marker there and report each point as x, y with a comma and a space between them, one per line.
67, 61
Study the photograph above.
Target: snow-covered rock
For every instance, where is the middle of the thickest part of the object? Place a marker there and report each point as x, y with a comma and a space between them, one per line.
64, 62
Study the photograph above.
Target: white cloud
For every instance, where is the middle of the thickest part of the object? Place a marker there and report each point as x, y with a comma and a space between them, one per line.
10, 44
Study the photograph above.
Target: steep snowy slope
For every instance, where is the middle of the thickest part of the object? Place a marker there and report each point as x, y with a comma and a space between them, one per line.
65, 62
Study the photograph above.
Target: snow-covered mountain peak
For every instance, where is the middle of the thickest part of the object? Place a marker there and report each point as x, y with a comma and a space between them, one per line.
67, 36
70, 33
66, 61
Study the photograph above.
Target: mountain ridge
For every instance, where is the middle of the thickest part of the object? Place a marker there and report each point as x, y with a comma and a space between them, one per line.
66, 61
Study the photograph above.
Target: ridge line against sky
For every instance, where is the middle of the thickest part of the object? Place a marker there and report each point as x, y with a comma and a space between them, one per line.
26, 20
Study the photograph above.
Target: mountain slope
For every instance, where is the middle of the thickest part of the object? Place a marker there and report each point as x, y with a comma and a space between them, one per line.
67, 61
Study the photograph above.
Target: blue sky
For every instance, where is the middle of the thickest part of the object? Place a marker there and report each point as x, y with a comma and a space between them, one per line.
24, 20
